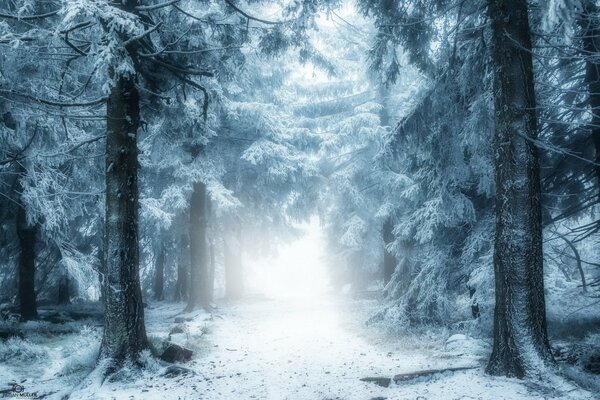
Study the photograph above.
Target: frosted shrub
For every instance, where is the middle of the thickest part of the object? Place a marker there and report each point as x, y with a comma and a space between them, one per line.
150, 363
81, 352
21, 350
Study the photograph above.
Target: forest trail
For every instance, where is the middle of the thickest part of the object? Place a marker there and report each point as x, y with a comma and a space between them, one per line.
320, 348
311, 348
296, 348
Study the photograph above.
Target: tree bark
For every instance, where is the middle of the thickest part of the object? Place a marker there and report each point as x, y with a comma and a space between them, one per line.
183, 272
384, 113
64, 290
198, 295
102, 262
211, 272
234, 277
124, 330
590, 36
520, 334
159, 274
389, 260
27, 235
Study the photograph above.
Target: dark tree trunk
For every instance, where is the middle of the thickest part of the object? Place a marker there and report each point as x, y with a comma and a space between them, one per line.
183, 273
389, 260
124, 330
102, 262
181, 287
590, 34
198, 295
27, 235
64, 290
234, 277
159, 274
475, 313
520, 337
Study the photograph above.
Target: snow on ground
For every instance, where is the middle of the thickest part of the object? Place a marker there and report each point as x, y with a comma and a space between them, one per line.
265, 349
272, 349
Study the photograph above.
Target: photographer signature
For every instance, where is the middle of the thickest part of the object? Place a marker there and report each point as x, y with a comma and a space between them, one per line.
18, 391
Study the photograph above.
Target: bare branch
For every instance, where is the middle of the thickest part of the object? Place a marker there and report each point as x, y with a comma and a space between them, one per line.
80, 25
192, 16
29, 17
142, 35
156, 6
245, 14
10, 92
200, 51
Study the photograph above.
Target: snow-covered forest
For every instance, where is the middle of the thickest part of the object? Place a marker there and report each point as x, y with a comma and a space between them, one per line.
300, 199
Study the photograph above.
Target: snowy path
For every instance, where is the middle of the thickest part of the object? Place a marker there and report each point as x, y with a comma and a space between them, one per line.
292, 349
295, 349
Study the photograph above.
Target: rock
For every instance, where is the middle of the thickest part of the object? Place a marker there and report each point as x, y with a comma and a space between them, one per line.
385, 382
593, 364
175, 353
173, 371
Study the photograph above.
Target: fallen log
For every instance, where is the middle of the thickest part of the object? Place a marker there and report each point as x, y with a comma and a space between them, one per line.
418, 374
385, 382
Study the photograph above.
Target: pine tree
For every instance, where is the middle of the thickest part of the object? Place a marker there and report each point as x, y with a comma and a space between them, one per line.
520, 334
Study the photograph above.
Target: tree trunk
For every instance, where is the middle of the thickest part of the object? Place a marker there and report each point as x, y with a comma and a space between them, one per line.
64, 290
198, 295
181, 286
181, 292
124, 330
520, 336
27, 234
389, 260
159, 274
384, 113
234, 277
475, 312
211, 272
590, 34
102, 262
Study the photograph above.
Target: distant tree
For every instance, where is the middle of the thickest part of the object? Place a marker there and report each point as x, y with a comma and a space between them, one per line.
159, 273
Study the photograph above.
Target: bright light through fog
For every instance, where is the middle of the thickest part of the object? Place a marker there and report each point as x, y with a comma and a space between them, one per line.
298, 270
